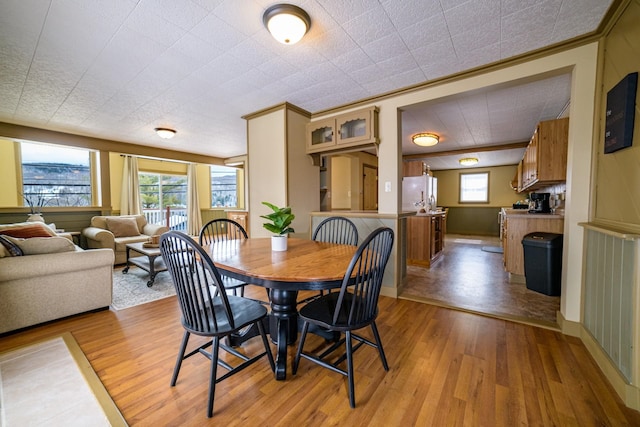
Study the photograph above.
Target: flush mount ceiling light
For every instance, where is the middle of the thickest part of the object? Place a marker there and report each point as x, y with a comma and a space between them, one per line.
286, 23
425, 139
165, 133
469, 161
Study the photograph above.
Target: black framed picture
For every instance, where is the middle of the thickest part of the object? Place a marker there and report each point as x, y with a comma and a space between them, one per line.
621, 102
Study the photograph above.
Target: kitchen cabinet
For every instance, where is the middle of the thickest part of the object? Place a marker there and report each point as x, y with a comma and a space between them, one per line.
425, 238
413, 168
343, 132
545, 159
437, 235
517, 223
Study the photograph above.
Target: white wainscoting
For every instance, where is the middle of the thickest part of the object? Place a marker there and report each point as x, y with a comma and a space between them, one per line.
611, 298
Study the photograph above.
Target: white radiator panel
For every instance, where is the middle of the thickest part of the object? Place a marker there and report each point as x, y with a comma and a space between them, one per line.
609, 295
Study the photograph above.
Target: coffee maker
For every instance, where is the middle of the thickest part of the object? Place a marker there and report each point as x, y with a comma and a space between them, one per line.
539, 203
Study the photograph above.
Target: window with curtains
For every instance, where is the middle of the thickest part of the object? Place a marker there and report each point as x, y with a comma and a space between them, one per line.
224, 186
56, 175
158, 191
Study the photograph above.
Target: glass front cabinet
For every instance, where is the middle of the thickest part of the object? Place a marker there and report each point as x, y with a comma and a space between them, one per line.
321, 134
352, 129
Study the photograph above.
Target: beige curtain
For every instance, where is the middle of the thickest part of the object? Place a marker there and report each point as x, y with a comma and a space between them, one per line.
130, 201
194, 220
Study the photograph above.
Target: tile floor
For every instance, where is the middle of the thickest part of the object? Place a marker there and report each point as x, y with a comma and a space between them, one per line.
42, 385
469, 278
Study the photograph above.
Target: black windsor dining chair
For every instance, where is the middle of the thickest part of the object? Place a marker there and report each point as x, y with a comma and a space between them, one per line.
335, 229
220, 230
351, 309
207, 310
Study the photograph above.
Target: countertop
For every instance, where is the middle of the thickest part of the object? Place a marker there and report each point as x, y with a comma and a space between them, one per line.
432, 213
524, 213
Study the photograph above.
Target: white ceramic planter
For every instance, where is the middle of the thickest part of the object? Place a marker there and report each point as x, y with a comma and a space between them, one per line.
279, 243
35, 218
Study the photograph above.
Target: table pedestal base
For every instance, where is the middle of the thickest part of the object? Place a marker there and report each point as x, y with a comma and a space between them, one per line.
283, 328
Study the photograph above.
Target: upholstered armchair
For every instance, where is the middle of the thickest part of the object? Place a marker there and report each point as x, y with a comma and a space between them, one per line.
115, 232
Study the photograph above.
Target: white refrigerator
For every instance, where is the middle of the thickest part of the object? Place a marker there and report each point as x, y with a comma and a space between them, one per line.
417, 188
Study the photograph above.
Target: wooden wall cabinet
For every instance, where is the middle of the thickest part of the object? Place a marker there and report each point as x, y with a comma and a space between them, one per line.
413, 168
425, 238
343, 132
545, 159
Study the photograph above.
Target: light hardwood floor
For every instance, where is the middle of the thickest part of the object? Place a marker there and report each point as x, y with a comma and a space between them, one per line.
447, 367
468, 278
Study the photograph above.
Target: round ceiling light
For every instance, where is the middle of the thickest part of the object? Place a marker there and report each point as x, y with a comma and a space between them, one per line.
165, 133
286, 23
425, 139
469, 161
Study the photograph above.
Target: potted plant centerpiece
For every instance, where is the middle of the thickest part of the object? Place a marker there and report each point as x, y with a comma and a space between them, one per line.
280, 221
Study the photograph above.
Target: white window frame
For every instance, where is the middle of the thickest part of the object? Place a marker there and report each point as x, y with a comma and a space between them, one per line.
480, 194
48, 151
239, 203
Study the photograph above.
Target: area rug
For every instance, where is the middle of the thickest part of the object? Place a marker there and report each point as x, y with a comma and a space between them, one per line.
131, 289
494, 249
52, 383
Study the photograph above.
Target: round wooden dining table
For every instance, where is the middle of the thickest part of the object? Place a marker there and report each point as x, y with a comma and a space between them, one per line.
305, 265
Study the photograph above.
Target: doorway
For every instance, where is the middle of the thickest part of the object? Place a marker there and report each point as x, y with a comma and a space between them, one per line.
369, 187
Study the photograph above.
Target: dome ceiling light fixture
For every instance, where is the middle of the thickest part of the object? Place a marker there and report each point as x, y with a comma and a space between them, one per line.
469, 161
425, 139
286, 23
165, 133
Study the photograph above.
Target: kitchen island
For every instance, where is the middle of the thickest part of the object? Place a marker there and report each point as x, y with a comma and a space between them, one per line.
425, 237
517, 223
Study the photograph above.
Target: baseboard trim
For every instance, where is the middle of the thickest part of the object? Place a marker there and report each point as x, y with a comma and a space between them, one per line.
629, 393
389, 292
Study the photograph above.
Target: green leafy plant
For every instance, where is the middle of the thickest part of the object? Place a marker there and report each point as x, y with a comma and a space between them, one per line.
280, 218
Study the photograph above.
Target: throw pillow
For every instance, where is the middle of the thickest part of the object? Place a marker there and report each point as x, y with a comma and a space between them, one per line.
43, 245
123, 227
9, 247
26, 230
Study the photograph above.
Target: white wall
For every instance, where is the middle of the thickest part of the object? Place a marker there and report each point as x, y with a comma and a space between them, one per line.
267, 167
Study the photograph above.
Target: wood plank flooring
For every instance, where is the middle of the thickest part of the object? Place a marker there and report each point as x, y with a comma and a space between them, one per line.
447, 367
469, 278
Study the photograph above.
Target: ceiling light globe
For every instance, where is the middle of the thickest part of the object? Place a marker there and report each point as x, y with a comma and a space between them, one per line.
287, 29
165, 133
425, 139
286, 23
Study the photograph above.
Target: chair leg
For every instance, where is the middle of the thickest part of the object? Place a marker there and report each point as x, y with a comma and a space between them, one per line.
374, 328
183, 348
266, 345
303, 336
212, 379
352, 397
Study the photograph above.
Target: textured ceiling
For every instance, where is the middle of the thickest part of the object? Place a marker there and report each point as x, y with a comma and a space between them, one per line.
117, 69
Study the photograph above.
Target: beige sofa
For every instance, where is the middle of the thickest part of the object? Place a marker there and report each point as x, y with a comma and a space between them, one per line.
37, 288
114, 232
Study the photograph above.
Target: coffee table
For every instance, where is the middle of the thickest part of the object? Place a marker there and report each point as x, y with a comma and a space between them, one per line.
150, 260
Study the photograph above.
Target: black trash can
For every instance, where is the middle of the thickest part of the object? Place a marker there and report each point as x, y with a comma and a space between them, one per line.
543, 262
